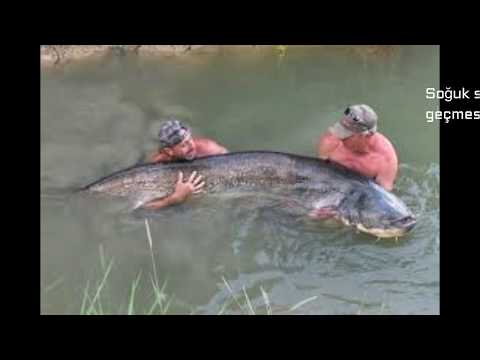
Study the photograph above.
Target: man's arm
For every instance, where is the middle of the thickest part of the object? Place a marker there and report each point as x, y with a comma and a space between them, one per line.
327, 144
389, 164
221, 150
386, 176
182, 191
163, 202
157, 157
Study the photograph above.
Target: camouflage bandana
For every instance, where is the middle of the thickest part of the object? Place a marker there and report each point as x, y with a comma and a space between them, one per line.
172, 132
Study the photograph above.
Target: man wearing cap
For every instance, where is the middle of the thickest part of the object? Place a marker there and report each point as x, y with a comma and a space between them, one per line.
355, 143
177, 143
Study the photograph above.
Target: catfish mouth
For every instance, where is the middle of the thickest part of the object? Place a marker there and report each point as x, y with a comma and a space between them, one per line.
407, 223
397, 228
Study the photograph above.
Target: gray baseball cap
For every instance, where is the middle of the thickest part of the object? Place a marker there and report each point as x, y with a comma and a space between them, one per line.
173, 132
358, 119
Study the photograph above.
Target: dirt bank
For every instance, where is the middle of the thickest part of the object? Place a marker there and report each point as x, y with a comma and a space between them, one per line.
57, 55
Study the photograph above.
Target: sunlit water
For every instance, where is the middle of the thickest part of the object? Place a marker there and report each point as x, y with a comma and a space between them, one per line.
100, 117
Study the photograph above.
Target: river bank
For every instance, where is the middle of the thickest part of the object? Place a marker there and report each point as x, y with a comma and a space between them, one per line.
58, 55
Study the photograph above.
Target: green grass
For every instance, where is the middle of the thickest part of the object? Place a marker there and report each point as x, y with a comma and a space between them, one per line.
92, 297
131, 310
94, 303
248, 309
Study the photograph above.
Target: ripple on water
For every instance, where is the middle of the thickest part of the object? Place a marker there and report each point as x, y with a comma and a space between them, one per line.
336, 264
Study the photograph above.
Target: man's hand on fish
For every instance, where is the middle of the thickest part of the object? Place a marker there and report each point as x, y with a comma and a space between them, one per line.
185, 189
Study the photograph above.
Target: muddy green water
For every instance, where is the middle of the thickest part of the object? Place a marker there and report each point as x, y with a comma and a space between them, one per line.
99, 117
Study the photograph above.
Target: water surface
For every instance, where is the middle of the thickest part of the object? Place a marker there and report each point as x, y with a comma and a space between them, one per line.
99, 117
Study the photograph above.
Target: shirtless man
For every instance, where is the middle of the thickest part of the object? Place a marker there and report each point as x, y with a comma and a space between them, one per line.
177, 143
355, 143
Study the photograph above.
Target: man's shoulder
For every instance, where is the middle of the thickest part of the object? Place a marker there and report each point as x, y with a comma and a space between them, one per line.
159, 157
385, 146
207, 145
328, 137
382, 141
204, 141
